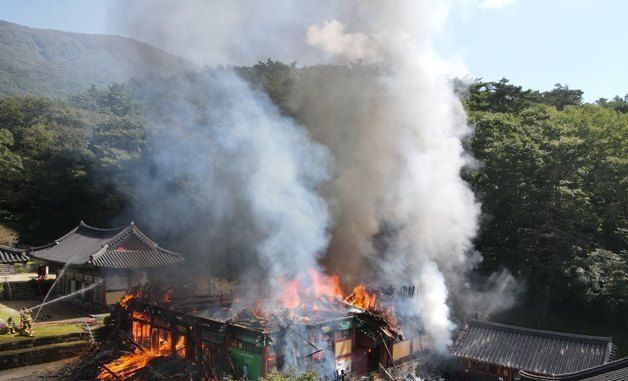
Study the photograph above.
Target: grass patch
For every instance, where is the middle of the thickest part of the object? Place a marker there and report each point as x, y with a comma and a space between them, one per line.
45, 331
5, 312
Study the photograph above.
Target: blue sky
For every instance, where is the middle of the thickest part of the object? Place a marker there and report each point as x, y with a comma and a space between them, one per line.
534, 43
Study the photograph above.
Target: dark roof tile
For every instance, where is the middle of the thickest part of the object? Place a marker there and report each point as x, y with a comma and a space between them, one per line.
612, 371
10, 255
542, 352
106, 248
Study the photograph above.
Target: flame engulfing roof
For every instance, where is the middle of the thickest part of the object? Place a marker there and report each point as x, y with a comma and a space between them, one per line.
120, 247
540, 352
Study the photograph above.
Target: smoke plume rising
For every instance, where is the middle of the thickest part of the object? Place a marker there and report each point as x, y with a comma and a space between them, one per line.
378, 167
223, 157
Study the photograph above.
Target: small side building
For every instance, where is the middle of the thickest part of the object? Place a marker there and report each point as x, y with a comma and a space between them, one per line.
12, 255
104, 262
613, 371
492, 351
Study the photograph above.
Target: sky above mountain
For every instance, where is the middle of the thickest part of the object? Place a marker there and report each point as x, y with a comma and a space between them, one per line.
534, 43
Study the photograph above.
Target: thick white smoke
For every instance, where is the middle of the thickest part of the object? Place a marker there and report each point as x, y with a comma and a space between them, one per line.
432, 211
223, 155
400, 211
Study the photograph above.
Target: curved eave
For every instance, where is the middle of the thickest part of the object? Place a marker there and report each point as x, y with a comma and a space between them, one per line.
590, 373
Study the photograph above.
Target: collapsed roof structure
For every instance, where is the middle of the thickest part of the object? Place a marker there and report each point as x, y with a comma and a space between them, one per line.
218, 338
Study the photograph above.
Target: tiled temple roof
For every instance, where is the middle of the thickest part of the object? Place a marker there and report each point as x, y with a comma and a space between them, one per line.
612, 371
10, 255
540, 352
121, 247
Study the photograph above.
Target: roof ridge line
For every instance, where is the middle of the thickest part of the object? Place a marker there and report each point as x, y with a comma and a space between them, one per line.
143, 236
114, 240
583, 373
150, 242
99, 253
541, 331
82, 223
56, 241
12, 248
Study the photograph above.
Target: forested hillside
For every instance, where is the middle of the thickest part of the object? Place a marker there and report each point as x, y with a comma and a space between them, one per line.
553, 182
58, 64
551, 174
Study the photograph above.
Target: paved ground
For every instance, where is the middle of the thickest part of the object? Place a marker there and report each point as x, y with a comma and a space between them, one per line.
23, 277
60, 312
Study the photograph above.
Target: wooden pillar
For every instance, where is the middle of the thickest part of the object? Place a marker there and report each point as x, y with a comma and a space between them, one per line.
225, 348
198, 340
189, 343
174, 335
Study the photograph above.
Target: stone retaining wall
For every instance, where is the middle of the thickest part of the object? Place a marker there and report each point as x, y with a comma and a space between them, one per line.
32, 342
39, 350
25, 290
41, 354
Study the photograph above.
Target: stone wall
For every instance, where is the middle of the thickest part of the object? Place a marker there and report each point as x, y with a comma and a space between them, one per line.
39, 350
41, 354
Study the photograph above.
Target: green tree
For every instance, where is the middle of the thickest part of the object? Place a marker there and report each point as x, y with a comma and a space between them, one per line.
60, 165
562, 96
553, 189
617, 103
10, 163
499, 97
273, 77
291, 375
601, 277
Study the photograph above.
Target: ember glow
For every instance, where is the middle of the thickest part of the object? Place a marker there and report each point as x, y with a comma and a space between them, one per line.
128, 364
306, 300
126, 298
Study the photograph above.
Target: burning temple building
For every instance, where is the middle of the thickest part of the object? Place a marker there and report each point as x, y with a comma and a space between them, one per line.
330, 335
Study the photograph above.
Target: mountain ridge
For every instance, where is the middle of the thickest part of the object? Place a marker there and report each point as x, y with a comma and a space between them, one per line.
59, 64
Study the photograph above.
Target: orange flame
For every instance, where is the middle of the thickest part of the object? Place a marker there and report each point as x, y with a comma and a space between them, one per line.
300, 297
125, 299
326, 286
320, 291
130, 295
360, 298
167, 296
132, 362
289, 296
